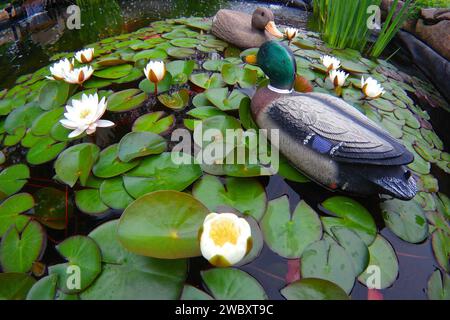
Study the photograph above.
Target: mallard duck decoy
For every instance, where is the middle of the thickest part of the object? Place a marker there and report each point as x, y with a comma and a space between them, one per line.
326, 138
244, 30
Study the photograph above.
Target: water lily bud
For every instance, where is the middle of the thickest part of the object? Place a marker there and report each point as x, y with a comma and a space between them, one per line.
290, 33
371, 88
225, 239
79, 75
155, 71
338, 77
60, 69
331, 63
85, 56
84, 115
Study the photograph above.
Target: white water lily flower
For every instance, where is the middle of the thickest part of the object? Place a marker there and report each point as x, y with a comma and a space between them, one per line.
331, 63
84, 115
371, 88
290, 33
338, 77
79, 75
155, 71
60, 69
225, 239
85, 56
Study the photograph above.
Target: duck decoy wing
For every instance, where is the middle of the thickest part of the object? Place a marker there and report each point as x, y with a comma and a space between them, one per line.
331, 126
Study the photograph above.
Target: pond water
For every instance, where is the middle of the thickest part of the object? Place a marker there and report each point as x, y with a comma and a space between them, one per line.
29, 45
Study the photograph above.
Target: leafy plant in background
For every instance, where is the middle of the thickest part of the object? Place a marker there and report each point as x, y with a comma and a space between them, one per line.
422, 4
391, 26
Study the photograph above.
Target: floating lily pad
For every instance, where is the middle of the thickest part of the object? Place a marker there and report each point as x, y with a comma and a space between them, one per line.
177, 101
406, 219
126, 100
161, 172
114, 72
180, 53
233, 74
350, 214
246, 195
44, 289
203, 113
139, 144
135, 74
185, 42
84, 257
438, 287
353, 67
203, 80
11, 209
314, 289
441, 247
22, 117
163, 224
12, 179
192, 293
126, 276
224, 100
232, 284
15, 286
287, 171
89, 201
43, 124
114, 195
76, 163
45, 150
96, 83
180, 70
382, 256
52, 209
109, 165
13, 139
286, 234
304, 44
163, 86
154, 122
53, 94
21, 246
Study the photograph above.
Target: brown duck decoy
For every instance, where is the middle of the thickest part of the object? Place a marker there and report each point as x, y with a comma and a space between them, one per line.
244, 30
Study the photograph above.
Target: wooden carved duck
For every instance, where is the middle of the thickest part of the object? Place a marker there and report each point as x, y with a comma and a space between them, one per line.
244, 30
326, 138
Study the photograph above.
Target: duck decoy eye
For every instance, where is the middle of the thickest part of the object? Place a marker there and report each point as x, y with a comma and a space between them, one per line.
407, 174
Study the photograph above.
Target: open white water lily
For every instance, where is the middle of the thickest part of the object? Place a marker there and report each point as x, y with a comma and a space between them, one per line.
60, 69
84, 115
225, 239
338, 77
371, 88
85, 56
79, 75
155, 72
331, 63
290, 33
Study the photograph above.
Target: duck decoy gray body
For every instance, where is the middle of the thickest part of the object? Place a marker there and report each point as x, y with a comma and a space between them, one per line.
244, 30
326, 138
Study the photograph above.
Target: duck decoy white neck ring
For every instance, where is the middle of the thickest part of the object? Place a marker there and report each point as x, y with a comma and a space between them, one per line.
285, 91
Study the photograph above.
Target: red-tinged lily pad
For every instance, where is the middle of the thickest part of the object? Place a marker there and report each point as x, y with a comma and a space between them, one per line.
163, 224
53, 208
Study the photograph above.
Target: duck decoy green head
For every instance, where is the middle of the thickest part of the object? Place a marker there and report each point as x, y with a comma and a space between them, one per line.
278, 63
263, 19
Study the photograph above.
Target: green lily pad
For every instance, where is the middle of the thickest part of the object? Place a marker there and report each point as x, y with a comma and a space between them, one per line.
89, 201
135, 74
163, 86
382, 255
76, 163
44, 289
287, 171
52, 209
155, 122
13, 139
19, 248
96, 83
45, 150
59, 133
440, 241
438, 287
161, 172
328, 261
22, 117
246, 195
126, 100
126, 276
152, 54
114, 72
180, 53
288, 235
180, 70
184, 42
314, 289
406, 219
203, 113
192, 293
233, 74
53, 94
15, 286
43, 124
84, 257
304, 44
114, 195
177, 101
12, 179
224, 100
163, 224
6, 105
349, 214
11, 209
109, 164
203, 80
353, 67
140, 144
232, 284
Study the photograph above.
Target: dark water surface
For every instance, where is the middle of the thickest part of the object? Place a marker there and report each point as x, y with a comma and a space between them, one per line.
28, 46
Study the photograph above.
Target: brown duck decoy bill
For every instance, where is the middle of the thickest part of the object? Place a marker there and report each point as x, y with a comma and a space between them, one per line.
271, 27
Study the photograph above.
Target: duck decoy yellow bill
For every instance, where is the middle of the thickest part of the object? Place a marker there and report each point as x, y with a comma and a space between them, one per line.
271, 27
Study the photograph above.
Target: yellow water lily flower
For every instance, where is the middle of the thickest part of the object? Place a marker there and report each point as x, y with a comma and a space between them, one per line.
225, 239
155, 72
290, 33
60, 69
85, 56
338, 77
331, 63
84, 115
79, 75
371, 88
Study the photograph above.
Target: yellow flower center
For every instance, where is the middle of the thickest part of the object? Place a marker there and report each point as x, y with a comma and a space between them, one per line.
223, 231
84, 113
